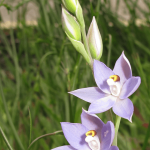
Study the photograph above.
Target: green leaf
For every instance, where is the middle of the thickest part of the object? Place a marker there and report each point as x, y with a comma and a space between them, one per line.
146, 137
30, 126
45, 135
44, 56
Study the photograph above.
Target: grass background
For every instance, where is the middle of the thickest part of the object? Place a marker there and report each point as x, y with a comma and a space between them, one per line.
38, 66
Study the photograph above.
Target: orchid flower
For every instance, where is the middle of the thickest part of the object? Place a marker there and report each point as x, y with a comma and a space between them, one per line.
92, 134
114, 88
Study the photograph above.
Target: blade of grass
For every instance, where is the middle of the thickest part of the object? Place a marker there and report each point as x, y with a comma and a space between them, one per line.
30, 126
76, 71
109, 50
9, 117
5, 139
143, 47
109, 112
8, 48
146, 137
45, 135
44, 56
16, 72
48, 26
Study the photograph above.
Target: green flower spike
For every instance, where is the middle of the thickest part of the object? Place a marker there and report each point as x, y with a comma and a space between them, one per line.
72, 30
73, 6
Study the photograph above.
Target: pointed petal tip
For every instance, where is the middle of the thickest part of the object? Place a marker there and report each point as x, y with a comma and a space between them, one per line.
94, 20
130, 119
93, 17
72, 92
124, 108
123, 68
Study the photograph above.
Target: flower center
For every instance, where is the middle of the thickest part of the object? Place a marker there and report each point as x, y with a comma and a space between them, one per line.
114, 85
91, 132
92, 140
115, 78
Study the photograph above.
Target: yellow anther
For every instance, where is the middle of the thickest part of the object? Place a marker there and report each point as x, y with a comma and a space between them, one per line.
115, 77
91, 132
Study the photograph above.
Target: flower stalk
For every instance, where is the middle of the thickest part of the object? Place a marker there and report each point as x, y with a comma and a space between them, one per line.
74, 27
117, 124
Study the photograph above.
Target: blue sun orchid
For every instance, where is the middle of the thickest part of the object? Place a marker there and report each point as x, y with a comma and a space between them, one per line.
114, 88
92, 134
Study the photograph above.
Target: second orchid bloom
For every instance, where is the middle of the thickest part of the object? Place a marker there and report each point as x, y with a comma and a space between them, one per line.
92, 134
114, 88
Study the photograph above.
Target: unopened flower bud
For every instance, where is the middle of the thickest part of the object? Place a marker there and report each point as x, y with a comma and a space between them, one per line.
95, 40
70, 25
71, 5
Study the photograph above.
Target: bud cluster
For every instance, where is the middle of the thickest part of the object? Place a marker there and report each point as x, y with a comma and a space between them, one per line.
73, 24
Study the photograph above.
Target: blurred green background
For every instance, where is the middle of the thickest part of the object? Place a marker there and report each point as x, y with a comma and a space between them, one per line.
39, 66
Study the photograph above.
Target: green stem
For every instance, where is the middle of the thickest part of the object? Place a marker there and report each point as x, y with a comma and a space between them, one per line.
60, 55
109, 50
86, 44
110, 116
45, 135
117, 123
109, 112
5, 139
76, 71
9, 118
48, 26
70, 108
15, 58
97, 10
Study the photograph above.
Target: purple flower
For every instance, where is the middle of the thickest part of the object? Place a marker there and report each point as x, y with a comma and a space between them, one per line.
114, 88
92, 134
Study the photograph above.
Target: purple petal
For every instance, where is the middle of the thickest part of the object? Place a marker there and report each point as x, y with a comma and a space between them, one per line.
129, 87
114, 148
88, 94
108, 133
123, 68
102, 104
124, 108
101, 74
66, 147
75, 134
92, 122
